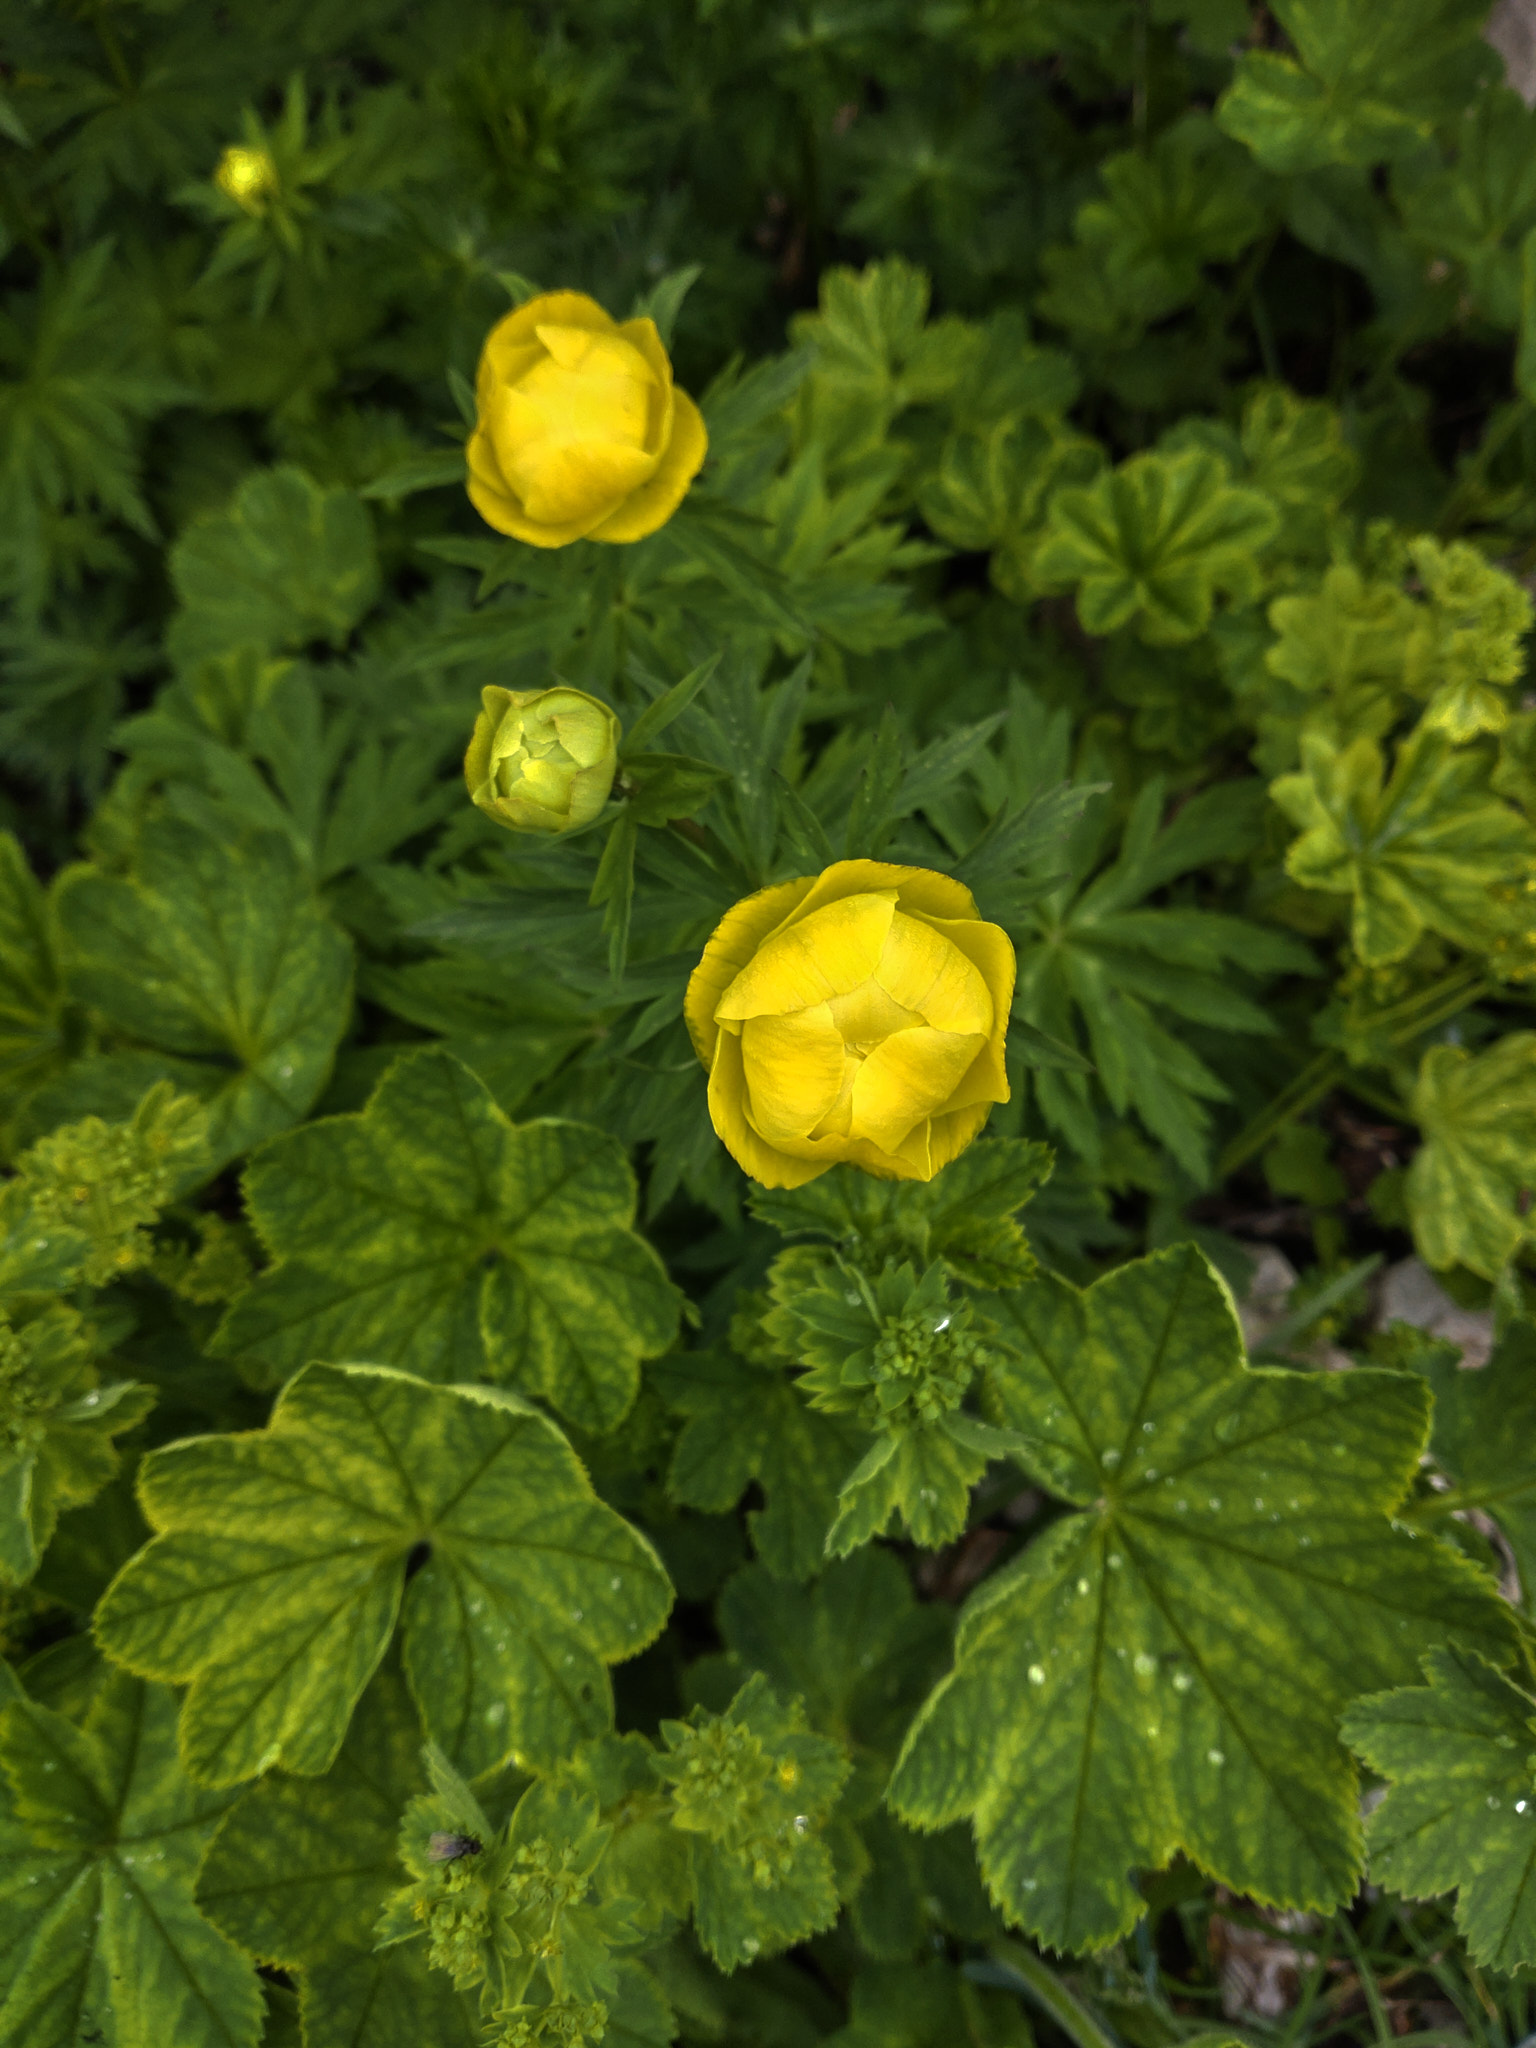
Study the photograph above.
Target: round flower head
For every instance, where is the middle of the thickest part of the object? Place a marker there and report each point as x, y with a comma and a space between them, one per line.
581, 433
542, 760
856, 1016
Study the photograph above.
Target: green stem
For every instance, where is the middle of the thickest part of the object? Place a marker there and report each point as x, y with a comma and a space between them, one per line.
1464, 490
1315, 1080
1368, 1984
1037, 1980
1406, 1020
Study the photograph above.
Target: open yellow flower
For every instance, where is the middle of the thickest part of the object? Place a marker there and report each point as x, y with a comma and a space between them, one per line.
581, 434
858, 1015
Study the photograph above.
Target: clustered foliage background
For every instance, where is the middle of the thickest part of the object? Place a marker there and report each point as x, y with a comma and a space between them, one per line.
1121, 489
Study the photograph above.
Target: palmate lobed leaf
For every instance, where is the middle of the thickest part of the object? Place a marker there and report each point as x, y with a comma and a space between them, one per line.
284, 1557
300, 1869
429, 1232
1470, 1179
1151, 544
213, 960
1485, 1423
1460, 1812
100, 1836
1163, 1670
1371, 81
1428, 847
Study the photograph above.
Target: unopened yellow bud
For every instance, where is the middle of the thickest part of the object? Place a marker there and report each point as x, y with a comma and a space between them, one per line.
246, 176
542, 760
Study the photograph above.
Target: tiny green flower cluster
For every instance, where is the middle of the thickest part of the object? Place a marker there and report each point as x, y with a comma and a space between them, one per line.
109, 1181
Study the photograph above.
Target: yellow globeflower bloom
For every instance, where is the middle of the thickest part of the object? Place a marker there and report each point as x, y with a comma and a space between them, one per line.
542, 760
581, 434
858, 1015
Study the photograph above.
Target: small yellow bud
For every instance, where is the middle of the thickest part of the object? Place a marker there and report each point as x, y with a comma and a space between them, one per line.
542, 760
246, 176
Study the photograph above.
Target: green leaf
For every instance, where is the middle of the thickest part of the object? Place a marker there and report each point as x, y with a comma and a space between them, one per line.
752, 1788
1140, 252
895, 1355
1483, 1424
289, 562
966, 1215
57, 1423
1471, 1178
855, 1646
32, 1015
1163, 1669
745, 1423
1152, 543
1430, 848
429, 1232
215, 954
910, 2005
1370, 81
1478, 206
1100, 967
1460, 1810
281, 1560
100, 1836
659, 714
300, 1869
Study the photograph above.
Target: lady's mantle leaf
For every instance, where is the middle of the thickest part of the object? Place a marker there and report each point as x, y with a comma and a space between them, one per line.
1461, 1812
1117, 1695
100, 1835
216, 954
1485, 1424
1430, 847
299, 1871
281, 1558
1473, 1173
428, 1232
1152, 543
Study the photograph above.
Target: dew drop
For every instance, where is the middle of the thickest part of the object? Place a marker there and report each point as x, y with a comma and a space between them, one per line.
1145, 1665
1215, 1756
1147, 1428
1037, 1674
1183, 1680
1083, 1586
1213, 1503
1520, 1806
1109, 1460
1031, 1884
1493, 1804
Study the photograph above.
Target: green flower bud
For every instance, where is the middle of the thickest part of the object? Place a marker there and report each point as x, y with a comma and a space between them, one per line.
542, 760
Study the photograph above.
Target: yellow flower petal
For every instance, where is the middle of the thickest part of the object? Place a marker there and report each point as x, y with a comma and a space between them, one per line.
727, 1112
827, 954
793, 1067
731, 945
868, 1015
654, 503
906, 1080
925, 972
990, 951
921, 891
